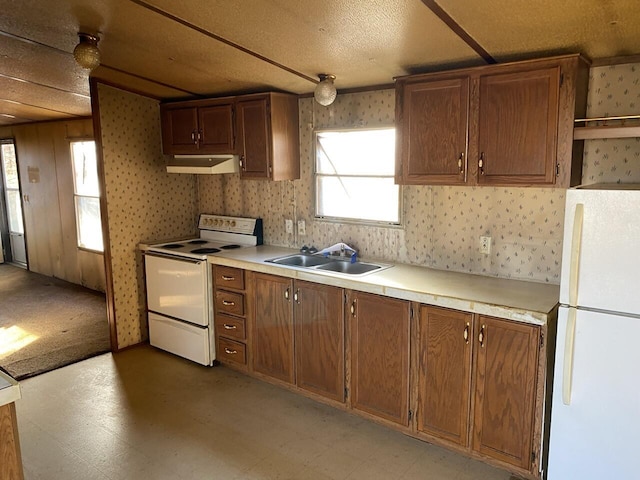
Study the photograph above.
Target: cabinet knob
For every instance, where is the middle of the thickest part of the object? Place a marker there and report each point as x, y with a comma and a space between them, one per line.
465, 334
461, 163
193, 137
286, 294
481, 164
242, 164
296, 296
481, 335
353, 308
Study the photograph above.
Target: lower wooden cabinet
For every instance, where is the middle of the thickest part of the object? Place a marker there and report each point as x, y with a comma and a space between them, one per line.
273, 327
380, 356
499, 358
506, 373
444, 374
319, 339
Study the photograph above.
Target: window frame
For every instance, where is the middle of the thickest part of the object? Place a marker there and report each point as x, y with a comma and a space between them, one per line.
355, 221
77, 195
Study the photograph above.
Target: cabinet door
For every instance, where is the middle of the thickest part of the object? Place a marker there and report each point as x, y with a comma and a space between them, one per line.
254, 135
319, 339
518, 127
216, 129
380, 356
507, 361
179, 130
444, 375
433, 132
273, 327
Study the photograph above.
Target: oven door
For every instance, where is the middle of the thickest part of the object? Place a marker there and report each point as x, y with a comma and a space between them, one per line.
177, 288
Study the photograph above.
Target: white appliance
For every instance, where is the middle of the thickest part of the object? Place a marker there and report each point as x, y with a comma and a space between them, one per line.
595, 411
179, 285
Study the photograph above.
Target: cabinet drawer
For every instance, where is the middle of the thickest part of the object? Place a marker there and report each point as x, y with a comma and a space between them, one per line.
228, 277
230, 327
229, 302
231, 351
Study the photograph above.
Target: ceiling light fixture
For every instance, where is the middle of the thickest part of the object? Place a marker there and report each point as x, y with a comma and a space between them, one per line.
86, 52
325, 92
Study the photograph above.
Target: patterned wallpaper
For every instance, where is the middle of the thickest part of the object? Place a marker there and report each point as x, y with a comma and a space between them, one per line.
613, 91
143, 201
442, 225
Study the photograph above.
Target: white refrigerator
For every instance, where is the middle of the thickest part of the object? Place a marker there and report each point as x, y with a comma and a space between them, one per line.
595, 411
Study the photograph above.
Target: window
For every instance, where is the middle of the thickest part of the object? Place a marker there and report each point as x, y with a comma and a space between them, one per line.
87, 195
355, 176
12, 187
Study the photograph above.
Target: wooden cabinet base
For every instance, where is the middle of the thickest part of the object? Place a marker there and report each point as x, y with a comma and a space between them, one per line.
10, 459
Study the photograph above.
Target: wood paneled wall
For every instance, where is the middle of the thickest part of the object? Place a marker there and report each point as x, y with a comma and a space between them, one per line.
46, 181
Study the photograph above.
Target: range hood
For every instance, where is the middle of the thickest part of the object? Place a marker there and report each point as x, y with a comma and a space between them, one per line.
203, 164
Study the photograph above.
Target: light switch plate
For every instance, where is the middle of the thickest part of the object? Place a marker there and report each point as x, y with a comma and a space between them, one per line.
288, 225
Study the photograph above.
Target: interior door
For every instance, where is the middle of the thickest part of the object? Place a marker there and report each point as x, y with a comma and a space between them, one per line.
17, 252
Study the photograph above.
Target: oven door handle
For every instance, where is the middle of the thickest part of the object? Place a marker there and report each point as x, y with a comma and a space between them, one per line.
171, 257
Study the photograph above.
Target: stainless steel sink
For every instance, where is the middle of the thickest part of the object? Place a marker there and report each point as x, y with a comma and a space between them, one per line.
327, 264
357, 268
300, 260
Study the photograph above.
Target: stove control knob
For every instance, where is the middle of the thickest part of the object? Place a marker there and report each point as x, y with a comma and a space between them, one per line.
216, 221
233, 223
226, 223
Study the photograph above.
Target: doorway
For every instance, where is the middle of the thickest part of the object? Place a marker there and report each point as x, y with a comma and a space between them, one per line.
12, 222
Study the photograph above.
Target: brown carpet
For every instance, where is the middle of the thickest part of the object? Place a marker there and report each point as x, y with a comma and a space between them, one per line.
46, 323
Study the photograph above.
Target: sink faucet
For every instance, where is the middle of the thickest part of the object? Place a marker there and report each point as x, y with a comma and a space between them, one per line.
341, 249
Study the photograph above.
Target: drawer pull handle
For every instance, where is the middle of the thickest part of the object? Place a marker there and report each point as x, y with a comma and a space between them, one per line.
228, 303
466, 333
481, 163
296, 296
461, 163
227, 278
286, 294
229, 327
353, 308
228, 351
481, 335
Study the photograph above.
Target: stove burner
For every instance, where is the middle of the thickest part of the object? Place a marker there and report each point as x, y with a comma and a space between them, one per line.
230, 247
172, 245
205, 250
197, 242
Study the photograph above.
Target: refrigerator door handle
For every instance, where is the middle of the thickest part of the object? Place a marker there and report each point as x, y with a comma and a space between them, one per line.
576, 244
569, 342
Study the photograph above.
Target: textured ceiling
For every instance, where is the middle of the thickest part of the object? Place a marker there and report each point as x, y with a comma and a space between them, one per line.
168, 49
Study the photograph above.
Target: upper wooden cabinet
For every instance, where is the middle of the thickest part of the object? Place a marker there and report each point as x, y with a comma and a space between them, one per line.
198, 127
434, 121
268, 138
509, 124
261, 128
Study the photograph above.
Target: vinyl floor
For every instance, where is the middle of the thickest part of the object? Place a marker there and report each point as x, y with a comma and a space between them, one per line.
145, 414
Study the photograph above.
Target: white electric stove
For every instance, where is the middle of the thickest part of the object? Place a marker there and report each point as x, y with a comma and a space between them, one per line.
179, 285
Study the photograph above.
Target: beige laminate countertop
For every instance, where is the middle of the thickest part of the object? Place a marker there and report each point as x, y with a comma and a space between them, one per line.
519, 300
9, 389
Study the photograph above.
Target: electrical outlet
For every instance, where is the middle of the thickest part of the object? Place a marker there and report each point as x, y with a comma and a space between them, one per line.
485, 245
288, 225
302, 228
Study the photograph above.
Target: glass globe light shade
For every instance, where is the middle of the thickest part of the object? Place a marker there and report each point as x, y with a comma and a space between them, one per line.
325, 92
86, 52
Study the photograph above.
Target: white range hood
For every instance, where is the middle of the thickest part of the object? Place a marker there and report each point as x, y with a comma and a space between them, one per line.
203, 164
